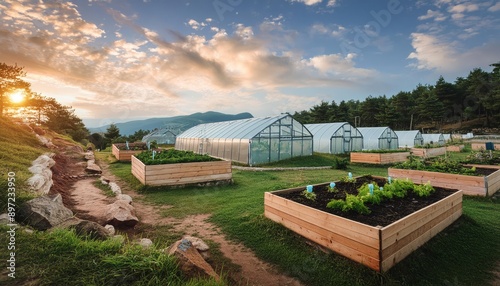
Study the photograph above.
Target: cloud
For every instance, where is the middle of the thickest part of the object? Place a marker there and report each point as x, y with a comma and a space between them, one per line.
308, 2
436, 15
145, 74
495, 7
433, 53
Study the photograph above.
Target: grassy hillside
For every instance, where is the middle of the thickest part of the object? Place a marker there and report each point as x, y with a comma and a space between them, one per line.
18, 148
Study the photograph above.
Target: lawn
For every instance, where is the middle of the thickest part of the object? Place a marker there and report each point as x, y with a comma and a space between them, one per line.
466, 253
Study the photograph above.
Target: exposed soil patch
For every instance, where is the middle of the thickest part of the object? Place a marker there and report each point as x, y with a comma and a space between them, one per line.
90, 202
381, 215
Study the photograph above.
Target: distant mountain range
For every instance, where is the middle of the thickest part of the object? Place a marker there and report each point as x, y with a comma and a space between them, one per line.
182, 122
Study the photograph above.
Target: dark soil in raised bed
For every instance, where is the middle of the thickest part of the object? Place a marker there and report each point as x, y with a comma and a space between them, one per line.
485, 171
384, 214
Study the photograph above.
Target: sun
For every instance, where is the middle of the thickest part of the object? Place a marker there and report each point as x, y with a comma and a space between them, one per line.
17, 96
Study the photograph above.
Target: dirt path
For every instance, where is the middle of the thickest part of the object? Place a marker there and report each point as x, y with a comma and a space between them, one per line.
89, 202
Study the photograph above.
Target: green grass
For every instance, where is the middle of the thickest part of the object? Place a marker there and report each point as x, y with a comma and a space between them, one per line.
463, 254
18, 148
63, 258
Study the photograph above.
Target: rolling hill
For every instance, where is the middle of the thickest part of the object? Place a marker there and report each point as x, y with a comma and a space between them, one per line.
182, 122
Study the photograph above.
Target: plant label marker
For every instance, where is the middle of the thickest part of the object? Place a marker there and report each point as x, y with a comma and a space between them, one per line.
309, 188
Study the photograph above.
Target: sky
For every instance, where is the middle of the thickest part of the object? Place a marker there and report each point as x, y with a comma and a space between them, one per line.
117, 61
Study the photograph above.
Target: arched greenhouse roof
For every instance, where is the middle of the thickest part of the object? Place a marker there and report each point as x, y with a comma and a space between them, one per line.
335, 137
374, 132
236, 129
407, 138
436, 138
374, 137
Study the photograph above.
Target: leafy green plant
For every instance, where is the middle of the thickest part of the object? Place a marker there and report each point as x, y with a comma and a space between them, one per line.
309, 195
439, 164
351, 203
399, 188
424, 190
172, 156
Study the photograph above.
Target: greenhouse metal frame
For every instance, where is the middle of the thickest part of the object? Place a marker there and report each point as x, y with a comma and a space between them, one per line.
436, 138
409, 138
251, 141
335, 138
379, 138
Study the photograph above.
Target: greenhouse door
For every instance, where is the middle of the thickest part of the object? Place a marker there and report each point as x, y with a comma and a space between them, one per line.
347, 140
285, 148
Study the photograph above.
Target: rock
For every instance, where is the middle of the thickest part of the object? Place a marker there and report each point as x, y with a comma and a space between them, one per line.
105, 181
145, 242
92, 229
41, 181
190, 261
45, 142
115, 188
44, 212
45, 160
121, 214
123, 197
89, 155
111, 229
93, 168
198, 243
5, 219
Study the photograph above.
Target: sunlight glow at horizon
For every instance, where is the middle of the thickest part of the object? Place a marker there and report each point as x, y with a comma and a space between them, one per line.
17, 96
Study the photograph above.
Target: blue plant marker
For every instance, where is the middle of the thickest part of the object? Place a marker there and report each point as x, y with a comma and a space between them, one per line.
389, 179
332, 185
309, 188
349, 175
149, 145
126, 144
154, 153
370, 187
381, 188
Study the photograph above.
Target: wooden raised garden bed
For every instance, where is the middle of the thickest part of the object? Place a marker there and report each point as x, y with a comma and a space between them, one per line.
379, 158
122, 154
378, 247
428, 152
181, 173
455, 148
470, 185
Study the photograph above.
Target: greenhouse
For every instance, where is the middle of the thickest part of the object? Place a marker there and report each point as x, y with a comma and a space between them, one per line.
251, 141
335, 138
379, 138
409, 139
437, 139
161, 136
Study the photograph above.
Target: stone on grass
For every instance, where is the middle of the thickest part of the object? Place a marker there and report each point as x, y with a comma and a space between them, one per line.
44, 212
121, 214
123, 197
111, 229
191, 263
145, 242
92, 230
115, 188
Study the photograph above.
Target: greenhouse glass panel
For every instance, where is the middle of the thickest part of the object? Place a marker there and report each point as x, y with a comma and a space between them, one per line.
271, 139
335, 138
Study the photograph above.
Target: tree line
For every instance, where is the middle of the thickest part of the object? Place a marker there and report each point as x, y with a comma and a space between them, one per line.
35, 108
475, 97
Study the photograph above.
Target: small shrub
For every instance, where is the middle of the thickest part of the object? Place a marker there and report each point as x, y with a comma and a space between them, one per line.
340, 163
